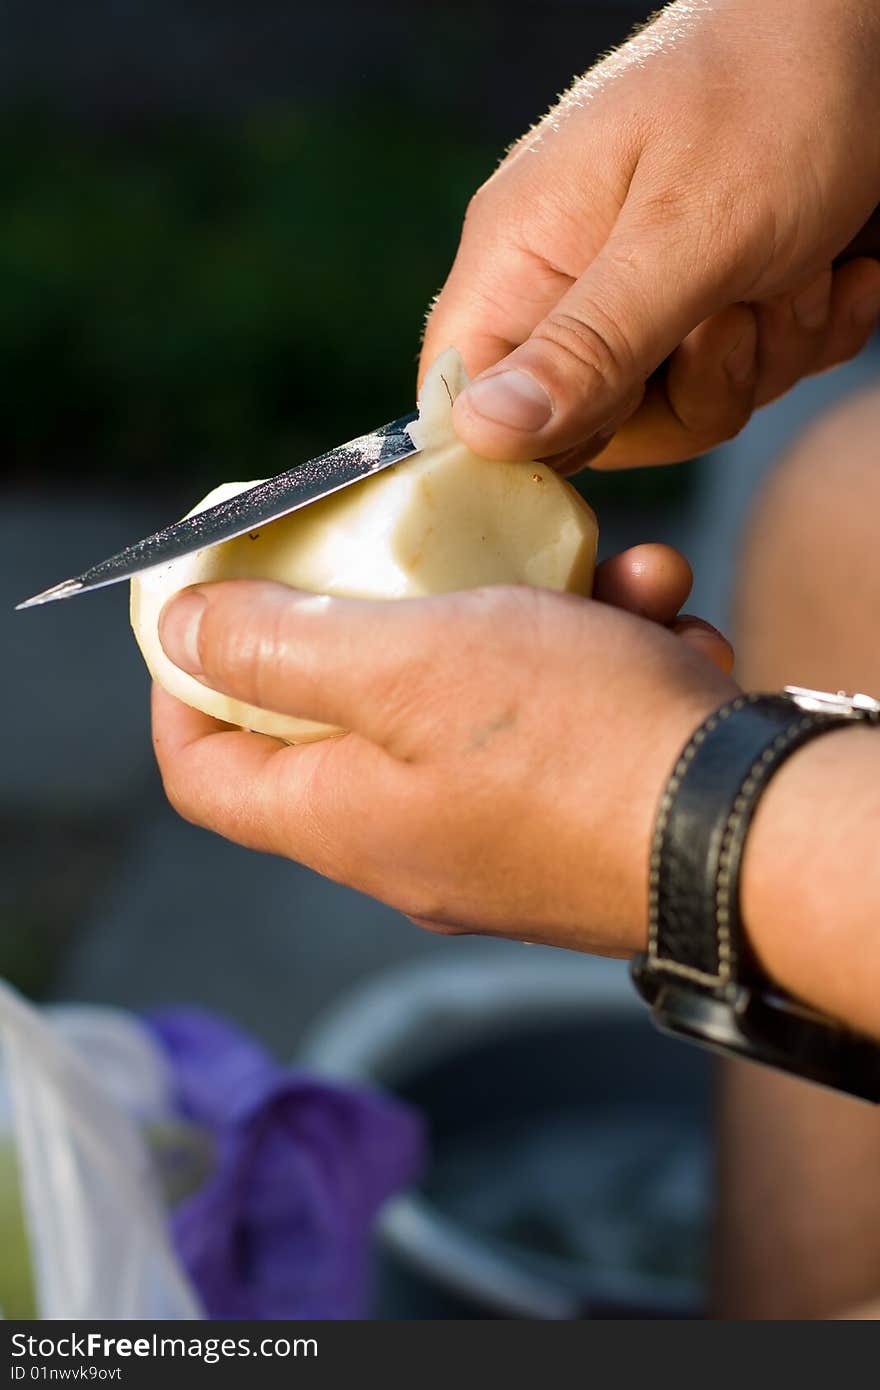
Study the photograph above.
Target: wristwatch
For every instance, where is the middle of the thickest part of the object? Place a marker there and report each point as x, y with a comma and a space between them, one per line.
698, 974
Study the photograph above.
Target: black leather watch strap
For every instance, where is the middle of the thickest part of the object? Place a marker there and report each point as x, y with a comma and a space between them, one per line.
700, 831
698, 972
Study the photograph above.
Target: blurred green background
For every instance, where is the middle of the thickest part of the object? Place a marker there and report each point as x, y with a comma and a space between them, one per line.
214, 279
218, 298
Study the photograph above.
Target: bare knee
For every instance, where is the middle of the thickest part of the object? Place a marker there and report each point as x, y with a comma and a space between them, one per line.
808, 600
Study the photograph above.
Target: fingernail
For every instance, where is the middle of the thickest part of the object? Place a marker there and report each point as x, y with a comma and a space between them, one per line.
866, 309
810, 307
740, 361
511, 398
179, 625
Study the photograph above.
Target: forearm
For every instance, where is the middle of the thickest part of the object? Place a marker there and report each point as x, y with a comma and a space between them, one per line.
811, 877
798, 1223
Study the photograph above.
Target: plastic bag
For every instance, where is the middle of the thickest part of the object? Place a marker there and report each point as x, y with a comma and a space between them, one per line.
78, 1086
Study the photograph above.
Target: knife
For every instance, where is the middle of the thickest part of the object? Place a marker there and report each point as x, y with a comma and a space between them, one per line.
309, 482
267, 501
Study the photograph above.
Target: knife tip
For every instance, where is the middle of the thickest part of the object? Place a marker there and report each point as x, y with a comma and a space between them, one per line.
63, 590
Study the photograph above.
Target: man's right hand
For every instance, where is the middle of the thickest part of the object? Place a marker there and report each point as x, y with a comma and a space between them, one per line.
684, 203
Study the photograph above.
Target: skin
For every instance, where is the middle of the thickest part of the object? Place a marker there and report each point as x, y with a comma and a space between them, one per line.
518, 820
798, 1216
401, 813
508, 746
683, 202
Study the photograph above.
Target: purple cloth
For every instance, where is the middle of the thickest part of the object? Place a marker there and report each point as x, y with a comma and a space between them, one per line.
282, 1227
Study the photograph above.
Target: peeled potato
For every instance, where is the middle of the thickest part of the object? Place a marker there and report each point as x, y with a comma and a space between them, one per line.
443, 520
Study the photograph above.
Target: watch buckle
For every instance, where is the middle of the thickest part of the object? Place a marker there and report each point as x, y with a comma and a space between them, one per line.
836, 702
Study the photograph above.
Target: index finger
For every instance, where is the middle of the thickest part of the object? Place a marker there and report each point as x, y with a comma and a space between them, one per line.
317, 803
493, 297
354, 663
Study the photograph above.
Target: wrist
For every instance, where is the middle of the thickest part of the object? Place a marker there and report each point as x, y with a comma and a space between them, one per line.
810, 885
700, 975
670, 736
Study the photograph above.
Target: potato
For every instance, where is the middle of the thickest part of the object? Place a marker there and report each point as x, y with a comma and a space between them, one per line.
441, 521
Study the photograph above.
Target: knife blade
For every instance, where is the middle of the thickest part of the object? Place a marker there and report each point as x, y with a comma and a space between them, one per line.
267, 501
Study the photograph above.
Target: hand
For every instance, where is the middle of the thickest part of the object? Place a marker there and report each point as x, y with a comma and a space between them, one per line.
507, 752
684, 201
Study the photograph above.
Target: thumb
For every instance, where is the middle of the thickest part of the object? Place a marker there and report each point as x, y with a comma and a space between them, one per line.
582, 371
356, 663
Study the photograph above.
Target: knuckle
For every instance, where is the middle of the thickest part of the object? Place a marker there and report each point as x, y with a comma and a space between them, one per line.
437, 928
718, 226
504, 640
263, 655
478, 207
243, 650
731, 415
419, 688
727, 429
220, 638
422, 898
482, 655
597, 346
843, 347
727, 420
666, 203
308, 826
738, 415
492, 619
409, 693
179, 793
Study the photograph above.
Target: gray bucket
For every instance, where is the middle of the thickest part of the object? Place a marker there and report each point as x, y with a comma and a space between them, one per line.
570, 1141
